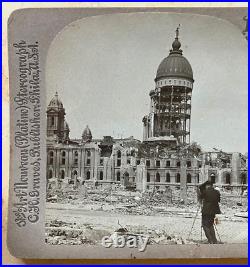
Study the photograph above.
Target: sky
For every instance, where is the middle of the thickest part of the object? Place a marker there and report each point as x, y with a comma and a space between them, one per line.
103, 69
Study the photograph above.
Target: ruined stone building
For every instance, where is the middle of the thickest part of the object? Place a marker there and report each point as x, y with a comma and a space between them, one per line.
156, 162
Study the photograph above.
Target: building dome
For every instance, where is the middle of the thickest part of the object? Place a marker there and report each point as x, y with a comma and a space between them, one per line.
86, 135
55, 102
175, 65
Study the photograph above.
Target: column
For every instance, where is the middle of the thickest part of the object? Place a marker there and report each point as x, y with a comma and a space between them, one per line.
235, 163
183, 184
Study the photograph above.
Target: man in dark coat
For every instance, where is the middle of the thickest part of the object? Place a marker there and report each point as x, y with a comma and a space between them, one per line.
209, 198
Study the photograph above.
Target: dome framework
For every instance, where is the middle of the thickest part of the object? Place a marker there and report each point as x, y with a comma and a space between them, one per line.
170, 110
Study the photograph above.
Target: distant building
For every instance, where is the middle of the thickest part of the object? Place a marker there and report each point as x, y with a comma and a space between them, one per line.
156, 162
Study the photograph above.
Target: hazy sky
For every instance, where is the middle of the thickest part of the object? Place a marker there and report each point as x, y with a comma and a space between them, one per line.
104, 67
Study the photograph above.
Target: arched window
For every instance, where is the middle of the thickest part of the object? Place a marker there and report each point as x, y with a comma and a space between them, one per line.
50, 174
158, 178
118, 162
212, 178
101, 175
168, 177
76, 158
189, 178
148, 177
228, 178
63, 157
51, 157
62, 174
178, 178
88, 175
243, 178
189, 164
118, 176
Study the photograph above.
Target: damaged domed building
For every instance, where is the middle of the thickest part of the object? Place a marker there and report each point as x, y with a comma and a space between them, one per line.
163, 159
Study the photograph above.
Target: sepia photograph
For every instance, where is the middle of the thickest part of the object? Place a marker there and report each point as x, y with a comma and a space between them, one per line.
126, 133
146, 140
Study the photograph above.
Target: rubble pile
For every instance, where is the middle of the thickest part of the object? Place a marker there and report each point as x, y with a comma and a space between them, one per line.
59, 232
150, 203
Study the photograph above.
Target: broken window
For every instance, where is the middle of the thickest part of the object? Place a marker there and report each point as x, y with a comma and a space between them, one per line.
178, 163
168, 177
228, 178
101, 161
51, 157
118, 176
118, 163
128, 161
74, 174
76, 158
88, 175
148, 177
50, 174
148, 163
62, 174
138, 162
168, 163
158, 163
52, 121
189, 164
119, 154
243, 178
63, 157
88, 161
189, 178
101, 175
158, 177
212, 178
178, 178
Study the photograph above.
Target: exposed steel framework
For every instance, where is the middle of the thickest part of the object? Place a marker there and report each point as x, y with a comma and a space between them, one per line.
172, 108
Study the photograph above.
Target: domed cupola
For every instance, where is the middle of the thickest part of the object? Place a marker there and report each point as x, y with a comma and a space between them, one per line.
175, 65
55, 102
86, 135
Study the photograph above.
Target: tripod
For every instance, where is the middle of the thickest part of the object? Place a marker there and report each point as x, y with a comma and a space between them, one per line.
194, 222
